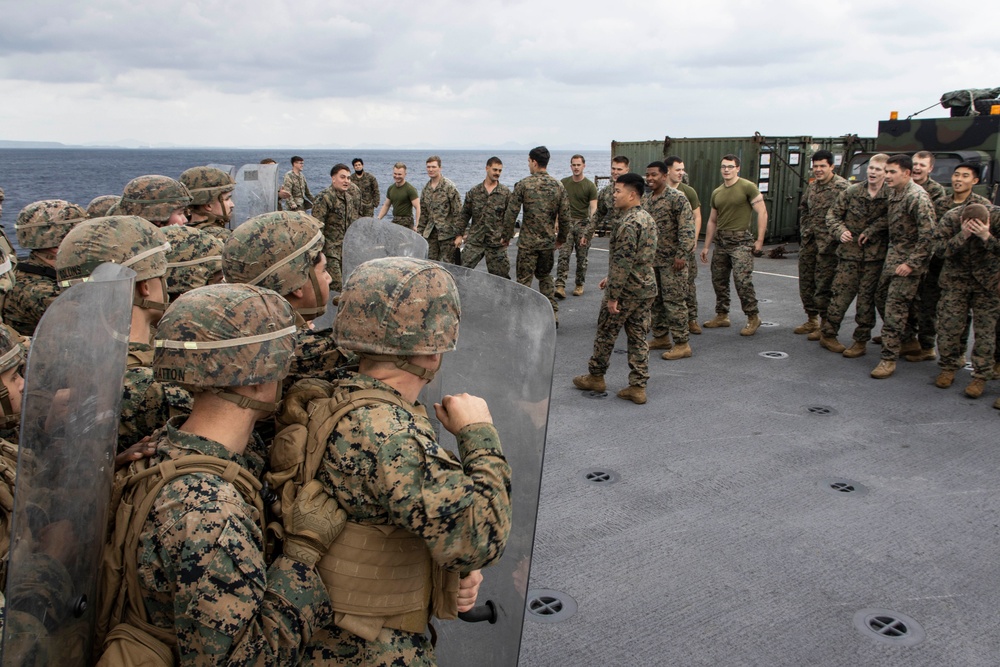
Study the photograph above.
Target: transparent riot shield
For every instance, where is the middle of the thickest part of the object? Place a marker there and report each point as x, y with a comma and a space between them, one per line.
505, 354
256, 192
69, 429
368, 238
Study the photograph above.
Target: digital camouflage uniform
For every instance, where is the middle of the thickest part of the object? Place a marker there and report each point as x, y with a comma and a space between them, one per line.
580, 228
483, 213
370, 198
607, 214
545, 203
631, 282
674, 219
910, 221
441, 219
692, 261
298, 187
969, 280
818, 250
859, 266
385, 468
214, 228
194, 258
146, 403
337, 210
35, 288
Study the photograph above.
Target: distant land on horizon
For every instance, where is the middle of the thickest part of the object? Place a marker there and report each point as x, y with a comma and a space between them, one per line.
138, 145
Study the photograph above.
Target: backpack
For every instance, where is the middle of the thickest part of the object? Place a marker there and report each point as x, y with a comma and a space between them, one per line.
123, 633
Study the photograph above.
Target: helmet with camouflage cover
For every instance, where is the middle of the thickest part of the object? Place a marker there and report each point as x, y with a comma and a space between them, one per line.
101, 204
193, 259
154, 198
122, 239
223, 335
11, 356
278, 251
206, 184
43, 224
396, 307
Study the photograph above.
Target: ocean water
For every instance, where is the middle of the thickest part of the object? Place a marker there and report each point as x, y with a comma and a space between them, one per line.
80, 174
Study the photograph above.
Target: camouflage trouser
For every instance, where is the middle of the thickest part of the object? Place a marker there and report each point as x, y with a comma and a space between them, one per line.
808, 251
443, 250
692, 290
333, 646
335, 265
858, 279
669, 312
895, 298
634, 315
952, 314
732, 254
537, 264
404, 221
826, 270
571, 244
497, 261
924, 321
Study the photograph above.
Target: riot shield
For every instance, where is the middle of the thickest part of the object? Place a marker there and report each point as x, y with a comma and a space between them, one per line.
256, 192
69, 429
368, 238
505, 354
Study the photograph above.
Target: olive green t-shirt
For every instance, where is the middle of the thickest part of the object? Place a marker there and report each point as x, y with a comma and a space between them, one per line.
401, 198
733, 205
580, 195
692, 196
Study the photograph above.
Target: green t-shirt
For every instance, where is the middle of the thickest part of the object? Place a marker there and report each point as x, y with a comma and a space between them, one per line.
733, 205
692, 196
401, 198
580, 195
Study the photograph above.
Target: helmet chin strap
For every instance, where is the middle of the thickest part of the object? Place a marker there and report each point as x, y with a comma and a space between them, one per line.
153, 305
403, 363
320, 308
247, 403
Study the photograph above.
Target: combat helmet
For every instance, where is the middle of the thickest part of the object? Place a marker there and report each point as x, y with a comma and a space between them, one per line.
193, 259
278, 251
122, 239
208, 184
101, 204
11, 356
43, 224
154, 198
221, 336
396, 307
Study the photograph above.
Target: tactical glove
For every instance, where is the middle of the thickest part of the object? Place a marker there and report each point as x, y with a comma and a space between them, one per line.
313, 524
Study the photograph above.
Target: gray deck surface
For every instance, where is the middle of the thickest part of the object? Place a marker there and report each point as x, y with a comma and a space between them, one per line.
722, 542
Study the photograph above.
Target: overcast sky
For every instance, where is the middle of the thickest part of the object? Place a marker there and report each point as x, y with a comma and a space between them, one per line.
253, 73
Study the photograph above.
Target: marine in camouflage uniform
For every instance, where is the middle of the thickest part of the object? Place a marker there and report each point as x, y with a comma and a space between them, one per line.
969, 280
629, 289
818, 251
295, 184
194, 259
859, 266
337, 207
671, 211
212, 199
157, 199
135, 243
582, 195
483, 211
910, 222
692, 259
368, 184
440, 217
607, 215
545, 204
384, 466
40, 228
202, 574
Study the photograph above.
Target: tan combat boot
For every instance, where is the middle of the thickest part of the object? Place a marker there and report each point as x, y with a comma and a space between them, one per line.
590, 382
817, 333
810, 325
944, 379
884, 369
578, 290
925, 354
911, 346
855, 351
831, 343
695, 328
680, 351
753, 323
560, 292
720, 320
975, 388
661, 343
632, 393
